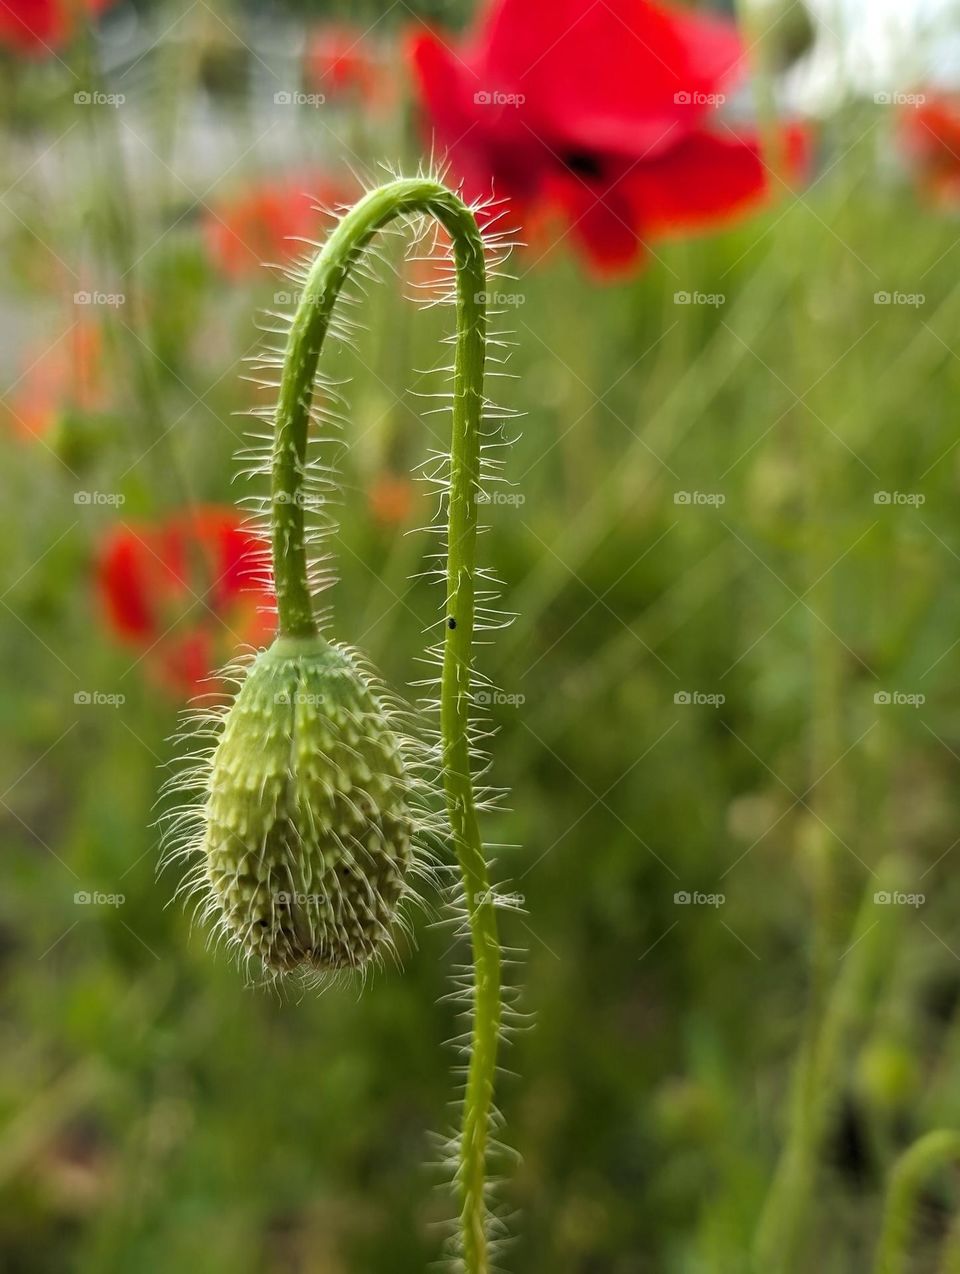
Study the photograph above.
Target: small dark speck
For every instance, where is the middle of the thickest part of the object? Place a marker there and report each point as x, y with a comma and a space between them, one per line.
451, 622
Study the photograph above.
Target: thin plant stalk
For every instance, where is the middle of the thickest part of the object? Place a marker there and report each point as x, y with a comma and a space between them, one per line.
326, 277
929, 1153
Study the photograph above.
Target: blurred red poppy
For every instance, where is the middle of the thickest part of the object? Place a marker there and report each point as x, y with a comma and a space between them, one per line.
391, 499
186, 593
930, 133
339, 61
38, 27
600, 113
64, 378
264, 222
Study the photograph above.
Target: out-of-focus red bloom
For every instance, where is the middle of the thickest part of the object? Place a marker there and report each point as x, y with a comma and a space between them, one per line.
66, 377
263, 223
605, 114
391, 499
339, 61
930, 133
186, 593
39, 26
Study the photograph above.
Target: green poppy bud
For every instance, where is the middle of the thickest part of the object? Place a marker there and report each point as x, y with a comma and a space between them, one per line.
307, 827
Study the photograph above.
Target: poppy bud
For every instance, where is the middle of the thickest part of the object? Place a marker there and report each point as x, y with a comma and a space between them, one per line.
307, 828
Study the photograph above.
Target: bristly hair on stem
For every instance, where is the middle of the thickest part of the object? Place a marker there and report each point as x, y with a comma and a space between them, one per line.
317, 778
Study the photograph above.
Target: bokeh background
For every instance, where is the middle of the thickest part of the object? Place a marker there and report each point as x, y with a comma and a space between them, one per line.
729, 711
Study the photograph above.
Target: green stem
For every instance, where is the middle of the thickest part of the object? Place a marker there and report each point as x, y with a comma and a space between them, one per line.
311, 322
929, 1152
818, 1077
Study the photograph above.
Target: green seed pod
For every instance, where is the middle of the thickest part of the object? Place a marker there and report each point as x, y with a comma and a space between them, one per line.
307, 825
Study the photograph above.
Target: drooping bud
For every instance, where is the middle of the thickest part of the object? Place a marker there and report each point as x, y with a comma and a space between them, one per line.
307, 823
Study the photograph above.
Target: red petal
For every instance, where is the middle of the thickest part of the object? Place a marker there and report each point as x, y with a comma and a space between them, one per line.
123, 586
702, 181
39, 26
620, 75
601, 220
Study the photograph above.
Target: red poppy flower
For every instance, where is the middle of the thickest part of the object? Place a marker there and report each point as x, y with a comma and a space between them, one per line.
339, 61
930, 133
602, 113
65, 377
264, 223
186, 593
39, 26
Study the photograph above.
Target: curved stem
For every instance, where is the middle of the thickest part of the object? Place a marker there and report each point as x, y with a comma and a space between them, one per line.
310, 325
927, 1153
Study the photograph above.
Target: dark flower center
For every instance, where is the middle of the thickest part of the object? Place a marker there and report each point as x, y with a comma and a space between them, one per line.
583, 162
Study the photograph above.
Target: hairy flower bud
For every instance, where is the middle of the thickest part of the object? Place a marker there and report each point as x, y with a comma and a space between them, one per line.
308, 830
